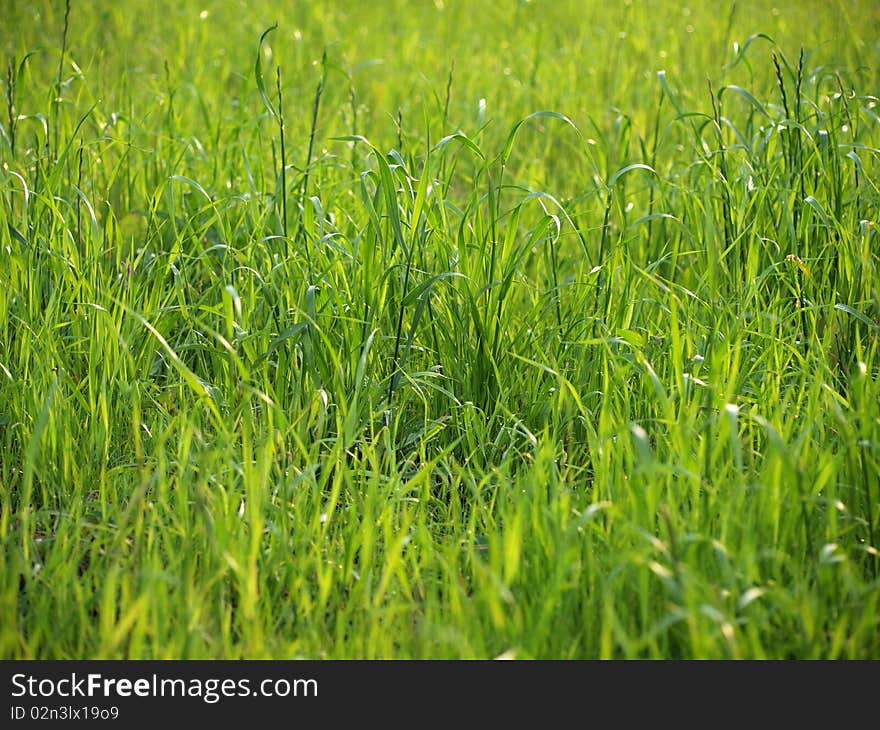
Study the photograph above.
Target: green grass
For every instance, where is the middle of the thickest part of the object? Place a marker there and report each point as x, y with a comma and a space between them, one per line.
440, 330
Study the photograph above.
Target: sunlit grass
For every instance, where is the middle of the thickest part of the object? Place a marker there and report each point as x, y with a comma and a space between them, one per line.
440, 330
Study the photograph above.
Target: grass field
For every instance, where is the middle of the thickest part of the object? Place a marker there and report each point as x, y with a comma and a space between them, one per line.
440, 330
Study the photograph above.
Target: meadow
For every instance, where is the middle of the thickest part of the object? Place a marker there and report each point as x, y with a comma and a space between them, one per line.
439, 330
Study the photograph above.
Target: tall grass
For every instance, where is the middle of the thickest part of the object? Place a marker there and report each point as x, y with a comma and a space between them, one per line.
566, 352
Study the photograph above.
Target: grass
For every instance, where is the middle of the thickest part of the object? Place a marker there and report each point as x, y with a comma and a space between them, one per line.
440, 331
